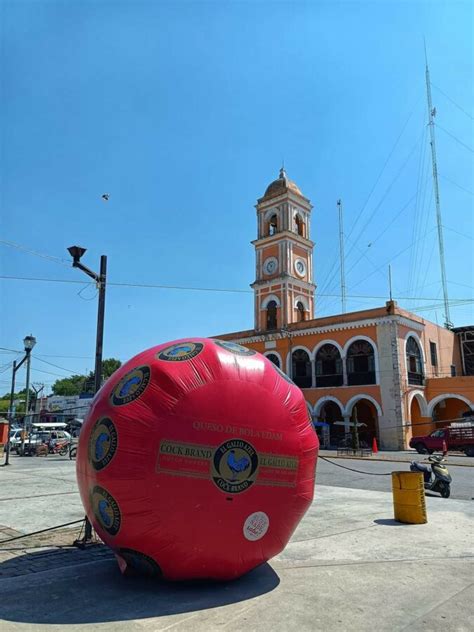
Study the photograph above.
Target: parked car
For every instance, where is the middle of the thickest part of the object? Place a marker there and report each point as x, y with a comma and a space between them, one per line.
458, 436
15, 440
35, 439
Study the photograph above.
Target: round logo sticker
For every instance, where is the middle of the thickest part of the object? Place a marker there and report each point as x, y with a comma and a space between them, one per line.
234, 466
131, 386
102, 443
233, 347
140, 563
181, 351
106, 510
256, 526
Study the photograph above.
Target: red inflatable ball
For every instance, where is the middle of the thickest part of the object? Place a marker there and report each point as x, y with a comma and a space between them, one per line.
197, 460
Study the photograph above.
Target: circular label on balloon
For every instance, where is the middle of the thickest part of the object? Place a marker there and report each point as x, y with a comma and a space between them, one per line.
140, 563
102, 443
106, 510
233, 347
256, 526
181, 351
131, 386
234, 466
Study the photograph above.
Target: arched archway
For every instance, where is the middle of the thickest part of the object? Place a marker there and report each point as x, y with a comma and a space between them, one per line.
418, 423
300, 226
360, 362
448, 409
275, 358
301, 368
365, 411
301, 313
271, 316
330, 433
328, 366
414, 360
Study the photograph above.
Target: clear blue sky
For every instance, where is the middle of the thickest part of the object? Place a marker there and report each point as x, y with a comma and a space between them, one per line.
183, 111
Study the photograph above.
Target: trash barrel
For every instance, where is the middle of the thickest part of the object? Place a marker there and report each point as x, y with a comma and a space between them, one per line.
409, 497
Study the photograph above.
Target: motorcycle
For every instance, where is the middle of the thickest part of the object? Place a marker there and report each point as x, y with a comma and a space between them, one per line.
436, 476
58, 447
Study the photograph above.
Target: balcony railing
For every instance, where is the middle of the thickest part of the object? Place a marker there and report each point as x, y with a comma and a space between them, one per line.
328, 380
415, 378
302, 381
361, 378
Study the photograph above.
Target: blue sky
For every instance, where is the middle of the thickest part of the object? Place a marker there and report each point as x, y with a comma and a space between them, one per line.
183, 112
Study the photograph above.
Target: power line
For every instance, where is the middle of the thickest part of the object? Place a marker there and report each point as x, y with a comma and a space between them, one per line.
208, 289
12, 244
453, 102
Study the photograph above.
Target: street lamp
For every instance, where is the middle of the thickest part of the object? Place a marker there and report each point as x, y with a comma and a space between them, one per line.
28, 343
76, 253
100, 279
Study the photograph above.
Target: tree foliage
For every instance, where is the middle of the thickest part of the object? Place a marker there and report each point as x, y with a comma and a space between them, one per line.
77, 384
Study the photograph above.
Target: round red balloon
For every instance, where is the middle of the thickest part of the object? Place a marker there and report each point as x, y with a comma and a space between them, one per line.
197, 460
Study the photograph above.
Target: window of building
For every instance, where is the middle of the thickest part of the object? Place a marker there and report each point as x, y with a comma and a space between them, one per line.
301, 311
299, 226
301, 365
274, 358
414, 362
453, 371
272, 315
434, 354
328, 366
360, 363
273, 225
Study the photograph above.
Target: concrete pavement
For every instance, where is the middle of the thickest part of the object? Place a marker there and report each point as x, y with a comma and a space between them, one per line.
349, 566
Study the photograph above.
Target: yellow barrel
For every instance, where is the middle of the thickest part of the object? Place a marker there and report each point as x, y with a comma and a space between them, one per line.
409, 497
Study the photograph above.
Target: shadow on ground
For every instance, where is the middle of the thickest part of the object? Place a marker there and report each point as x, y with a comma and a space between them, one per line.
73, 591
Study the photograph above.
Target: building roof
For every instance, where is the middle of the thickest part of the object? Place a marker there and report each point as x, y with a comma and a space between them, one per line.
281, 185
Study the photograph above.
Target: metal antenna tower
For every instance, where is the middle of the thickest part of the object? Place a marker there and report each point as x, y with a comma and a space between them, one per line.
341, 253
431, 114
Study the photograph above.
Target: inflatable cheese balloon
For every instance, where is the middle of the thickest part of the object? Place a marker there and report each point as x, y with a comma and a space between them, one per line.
197, 460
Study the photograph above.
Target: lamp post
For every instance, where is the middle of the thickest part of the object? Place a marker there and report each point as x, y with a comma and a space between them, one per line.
100, 279
28, 343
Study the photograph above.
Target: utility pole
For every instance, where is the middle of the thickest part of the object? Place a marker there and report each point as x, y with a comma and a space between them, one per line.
76, 253
431, 115
341, 253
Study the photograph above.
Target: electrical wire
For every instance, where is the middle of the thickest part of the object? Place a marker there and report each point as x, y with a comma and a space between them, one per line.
12, 244
455, 184
210, 289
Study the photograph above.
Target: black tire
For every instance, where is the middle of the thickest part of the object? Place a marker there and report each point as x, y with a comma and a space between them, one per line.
421, 448
444, 489
469, 451
430, 451
63, 451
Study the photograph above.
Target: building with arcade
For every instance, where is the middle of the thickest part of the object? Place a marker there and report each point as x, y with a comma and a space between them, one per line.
387, 369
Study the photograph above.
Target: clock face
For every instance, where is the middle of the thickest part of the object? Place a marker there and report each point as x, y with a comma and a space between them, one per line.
300, 267
270, 265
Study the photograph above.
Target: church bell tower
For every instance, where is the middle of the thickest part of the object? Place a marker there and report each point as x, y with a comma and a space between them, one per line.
283, 288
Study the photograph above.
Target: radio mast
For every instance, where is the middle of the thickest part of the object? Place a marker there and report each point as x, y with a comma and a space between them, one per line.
341, 253
431, 115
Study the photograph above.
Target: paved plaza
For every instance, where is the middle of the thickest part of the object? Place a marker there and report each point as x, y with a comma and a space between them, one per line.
349, 566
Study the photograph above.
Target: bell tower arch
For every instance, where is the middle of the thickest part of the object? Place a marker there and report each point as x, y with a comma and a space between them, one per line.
283, 286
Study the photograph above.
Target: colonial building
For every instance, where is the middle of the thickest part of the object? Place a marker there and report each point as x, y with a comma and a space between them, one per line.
390, 370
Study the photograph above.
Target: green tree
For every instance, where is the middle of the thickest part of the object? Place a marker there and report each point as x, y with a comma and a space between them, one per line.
77, 384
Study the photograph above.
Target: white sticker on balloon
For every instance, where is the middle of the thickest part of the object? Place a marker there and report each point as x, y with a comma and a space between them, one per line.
256, 526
